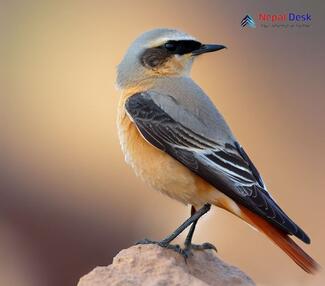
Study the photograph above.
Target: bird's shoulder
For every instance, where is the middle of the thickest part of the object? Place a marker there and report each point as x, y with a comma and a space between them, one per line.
184, 101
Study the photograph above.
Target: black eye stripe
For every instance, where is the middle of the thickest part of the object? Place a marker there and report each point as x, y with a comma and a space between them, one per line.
152, 58
181, 47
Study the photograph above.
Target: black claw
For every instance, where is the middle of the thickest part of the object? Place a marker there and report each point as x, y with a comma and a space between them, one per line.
163, 244
188, 250
186, 253
206, 245
174, 247
146, 241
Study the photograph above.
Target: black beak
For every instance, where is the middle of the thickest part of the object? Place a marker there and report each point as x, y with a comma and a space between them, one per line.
207, 49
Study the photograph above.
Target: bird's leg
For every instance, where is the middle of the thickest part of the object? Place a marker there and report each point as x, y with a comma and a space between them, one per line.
188, 240
191, 220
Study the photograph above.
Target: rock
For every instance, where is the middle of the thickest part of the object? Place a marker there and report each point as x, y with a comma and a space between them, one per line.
151, 265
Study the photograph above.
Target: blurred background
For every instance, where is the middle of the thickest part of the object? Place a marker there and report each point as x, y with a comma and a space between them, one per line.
68, 202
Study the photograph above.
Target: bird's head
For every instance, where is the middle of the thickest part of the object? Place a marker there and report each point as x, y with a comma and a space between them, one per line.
159, 53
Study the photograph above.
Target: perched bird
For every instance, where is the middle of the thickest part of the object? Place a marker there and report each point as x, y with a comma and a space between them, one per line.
176, 140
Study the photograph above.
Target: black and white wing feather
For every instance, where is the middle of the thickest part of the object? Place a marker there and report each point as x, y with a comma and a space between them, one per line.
226, 166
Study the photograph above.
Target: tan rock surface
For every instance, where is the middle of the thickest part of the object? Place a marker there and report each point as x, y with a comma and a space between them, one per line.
151, 265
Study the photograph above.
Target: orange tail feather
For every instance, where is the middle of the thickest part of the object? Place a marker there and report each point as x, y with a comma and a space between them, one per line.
282, 240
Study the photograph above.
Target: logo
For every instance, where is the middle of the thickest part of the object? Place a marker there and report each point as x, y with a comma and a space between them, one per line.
248, 21
278, 20
291, 17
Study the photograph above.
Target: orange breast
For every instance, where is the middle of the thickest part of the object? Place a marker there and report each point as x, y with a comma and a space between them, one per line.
157, 168
161, 171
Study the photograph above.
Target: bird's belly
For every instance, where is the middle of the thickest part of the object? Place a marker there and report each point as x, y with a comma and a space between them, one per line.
159, 170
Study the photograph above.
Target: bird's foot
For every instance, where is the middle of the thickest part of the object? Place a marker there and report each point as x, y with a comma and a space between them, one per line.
188, 250
163, 244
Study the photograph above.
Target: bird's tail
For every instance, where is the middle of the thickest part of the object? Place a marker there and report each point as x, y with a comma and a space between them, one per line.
281, 239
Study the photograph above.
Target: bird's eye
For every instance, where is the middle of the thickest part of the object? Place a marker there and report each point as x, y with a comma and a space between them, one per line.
170, 46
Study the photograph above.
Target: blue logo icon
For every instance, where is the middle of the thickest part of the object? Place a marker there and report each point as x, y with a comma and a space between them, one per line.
248, 21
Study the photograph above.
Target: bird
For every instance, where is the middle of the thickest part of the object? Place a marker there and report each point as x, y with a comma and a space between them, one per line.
177, 141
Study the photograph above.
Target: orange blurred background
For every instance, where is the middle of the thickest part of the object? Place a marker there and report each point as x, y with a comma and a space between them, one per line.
69, 202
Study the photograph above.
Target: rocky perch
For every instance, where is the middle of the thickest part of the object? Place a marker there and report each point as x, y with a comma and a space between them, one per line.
144, 265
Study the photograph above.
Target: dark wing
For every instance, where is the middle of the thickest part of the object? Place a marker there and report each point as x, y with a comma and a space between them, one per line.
226, 166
